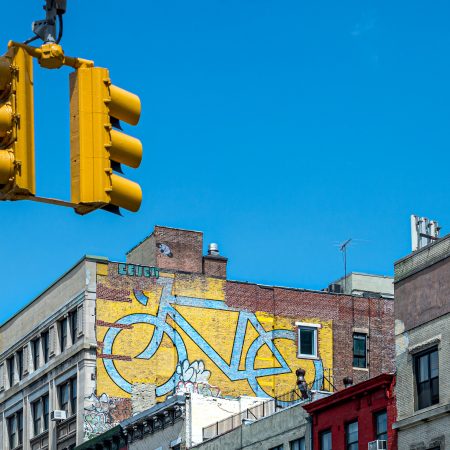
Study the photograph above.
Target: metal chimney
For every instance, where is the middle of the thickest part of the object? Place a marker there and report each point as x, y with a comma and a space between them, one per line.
423, 232
348, 381
213, 249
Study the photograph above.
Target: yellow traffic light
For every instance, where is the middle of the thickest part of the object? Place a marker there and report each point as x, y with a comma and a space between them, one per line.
17, 176
96, 147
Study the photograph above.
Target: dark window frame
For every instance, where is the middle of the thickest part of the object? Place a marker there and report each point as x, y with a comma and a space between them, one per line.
46, 346
36, 416
14, 428
36, 347
380, 434
10, 367
73, 395
68, 404
322, 434
20, 426
19, 354
359, 357
297, 442
350, 445
313, 330
45, 411
63, 334
40, 421
431, 383
73, 319
11, 426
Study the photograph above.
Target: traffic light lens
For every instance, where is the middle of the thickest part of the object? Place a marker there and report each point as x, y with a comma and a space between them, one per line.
125, 149
125, 193
6, 166
6, 118
124, 105
5, 73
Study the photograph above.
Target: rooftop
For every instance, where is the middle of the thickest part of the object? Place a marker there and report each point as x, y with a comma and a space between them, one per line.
422, 258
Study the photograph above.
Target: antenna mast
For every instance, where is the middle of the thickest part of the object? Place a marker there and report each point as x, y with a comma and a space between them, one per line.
343, 249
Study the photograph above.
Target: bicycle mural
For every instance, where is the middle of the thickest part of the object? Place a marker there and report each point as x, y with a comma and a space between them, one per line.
178, 333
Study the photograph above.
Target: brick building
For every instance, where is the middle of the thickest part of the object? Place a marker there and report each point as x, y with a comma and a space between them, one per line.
422, 335
109, 338
353, 417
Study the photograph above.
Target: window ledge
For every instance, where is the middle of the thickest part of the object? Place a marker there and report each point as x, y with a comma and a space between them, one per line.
300, 356
308, 325
39, 436
364, 369
425, 345
422, 415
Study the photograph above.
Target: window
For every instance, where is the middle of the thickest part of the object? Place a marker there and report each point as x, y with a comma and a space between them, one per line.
298, 444
19, 416
73, 395
64, 397
426, 367
10, 368
360, 350
67, 394
36, 347
12, 431
73, 317
307, 339
351, 435
325, 440
20, 363
46, 345
62, 334
36, 410
39, 411
381, 426
45, 411
14, 425
278, 447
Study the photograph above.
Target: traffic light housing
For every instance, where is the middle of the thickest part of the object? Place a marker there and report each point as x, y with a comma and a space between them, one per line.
17, 173
97, 147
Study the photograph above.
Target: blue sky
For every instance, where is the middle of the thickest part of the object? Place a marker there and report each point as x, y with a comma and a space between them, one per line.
277, 128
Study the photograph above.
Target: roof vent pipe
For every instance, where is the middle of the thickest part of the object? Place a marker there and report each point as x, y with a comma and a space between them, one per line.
348, 381
213, 249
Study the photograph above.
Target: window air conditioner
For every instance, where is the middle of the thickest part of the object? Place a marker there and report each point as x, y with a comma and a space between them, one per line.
378, 445
58, 415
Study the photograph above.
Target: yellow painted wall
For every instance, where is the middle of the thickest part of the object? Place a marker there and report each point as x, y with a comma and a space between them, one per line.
216, 324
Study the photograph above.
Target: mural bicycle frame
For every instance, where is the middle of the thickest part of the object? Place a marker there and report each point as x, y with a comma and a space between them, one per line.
231, 369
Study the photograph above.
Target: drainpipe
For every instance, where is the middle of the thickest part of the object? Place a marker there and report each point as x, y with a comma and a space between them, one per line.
311, 434
188, 420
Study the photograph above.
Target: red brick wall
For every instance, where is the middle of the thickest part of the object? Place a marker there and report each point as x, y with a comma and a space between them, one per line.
215, 266
347, 312
186, 248
362, 406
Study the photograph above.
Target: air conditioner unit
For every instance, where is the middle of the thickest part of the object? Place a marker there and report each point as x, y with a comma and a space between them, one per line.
58, 415
335, 288
378, 445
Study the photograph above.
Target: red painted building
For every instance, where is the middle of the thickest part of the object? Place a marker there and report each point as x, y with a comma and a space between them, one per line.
355, 416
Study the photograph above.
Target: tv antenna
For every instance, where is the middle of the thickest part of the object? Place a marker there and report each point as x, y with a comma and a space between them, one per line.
343, 249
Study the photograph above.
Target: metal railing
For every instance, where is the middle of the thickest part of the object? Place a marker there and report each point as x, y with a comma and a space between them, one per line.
268, 407
263, 409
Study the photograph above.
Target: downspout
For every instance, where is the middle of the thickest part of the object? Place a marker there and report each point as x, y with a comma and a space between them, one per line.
311, 434
188, 420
